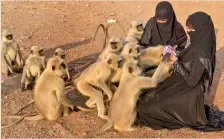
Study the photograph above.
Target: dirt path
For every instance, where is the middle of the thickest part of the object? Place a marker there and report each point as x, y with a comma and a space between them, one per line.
69, 25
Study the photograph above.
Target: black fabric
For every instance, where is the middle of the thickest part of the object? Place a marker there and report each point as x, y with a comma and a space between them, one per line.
164, 31
169, 33
203, 44
179, 100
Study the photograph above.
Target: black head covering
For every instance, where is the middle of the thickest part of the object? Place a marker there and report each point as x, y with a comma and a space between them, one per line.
203, 44
163, 32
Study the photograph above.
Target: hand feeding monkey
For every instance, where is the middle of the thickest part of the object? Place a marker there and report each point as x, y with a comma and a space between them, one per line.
96, 76
127, 94
35, 64
11, 57
49, 96
135, 32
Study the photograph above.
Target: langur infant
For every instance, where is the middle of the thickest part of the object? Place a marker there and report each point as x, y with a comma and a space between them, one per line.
11, 56
135, 32
96, 76
35, 64
115, 46
122, 110
60, 54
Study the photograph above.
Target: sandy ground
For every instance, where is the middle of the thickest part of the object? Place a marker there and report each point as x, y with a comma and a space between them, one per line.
70, 25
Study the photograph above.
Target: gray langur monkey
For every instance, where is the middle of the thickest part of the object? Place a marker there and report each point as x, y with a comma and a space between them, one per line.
130, 52
115, 46
60, 54
35, 65
149, 60
122, 110
11, 56
96, 76
50, 100
135, 32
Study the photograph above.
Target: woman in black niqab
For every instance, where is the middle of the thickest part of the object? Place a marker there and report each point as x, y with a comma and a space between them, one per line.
179, 100
169, 33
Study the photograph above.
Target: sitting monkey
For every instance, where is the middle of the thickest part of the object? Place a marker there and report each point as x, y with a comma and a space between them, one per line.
135, 32
60, 54
35, 64
49, 97
115, 46
11, 57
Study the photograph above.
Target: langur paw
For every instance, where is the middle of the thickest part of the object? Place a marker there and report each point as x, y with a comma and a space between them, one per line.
104, 117
22, 87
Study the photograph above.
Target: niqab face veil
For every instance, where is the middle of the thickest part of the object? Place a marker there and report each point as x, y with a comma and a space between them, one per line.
203, 44
164, 10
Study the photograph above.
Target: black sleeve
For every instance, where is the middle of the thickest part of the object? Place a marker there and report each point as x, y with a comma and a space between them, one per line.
147, 35
192, 77
181, 36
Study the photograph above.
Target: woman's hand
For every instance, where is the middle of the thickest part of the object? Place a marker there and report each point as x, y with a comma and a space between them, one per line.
172, 59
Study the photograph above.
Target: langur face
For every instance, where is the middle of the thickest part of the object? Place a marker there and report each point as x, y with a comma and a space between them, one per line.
140, 27
9, 37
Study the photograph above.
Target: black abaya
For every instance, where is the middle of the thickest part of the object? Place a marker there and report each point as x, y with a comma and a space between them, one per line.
169, 33
179, 100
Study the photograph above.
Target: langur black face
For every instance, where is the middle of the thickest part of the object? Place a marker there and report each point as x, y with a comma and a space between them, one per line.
9, 37
63, 56
59, 70
41, 52
140, 27
120, 62
113, 45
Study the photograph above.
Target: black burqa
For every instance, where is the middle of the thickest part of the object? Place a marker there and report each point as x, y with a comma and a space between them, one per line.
179, 100
169, 33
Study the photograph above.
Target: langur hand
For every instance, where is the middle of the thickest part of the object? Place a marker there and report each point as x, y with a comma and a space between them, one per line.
172, 59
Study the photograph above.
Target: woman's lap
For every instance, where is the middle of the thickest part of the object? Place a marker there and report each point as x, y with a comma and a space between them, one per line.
172, 109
